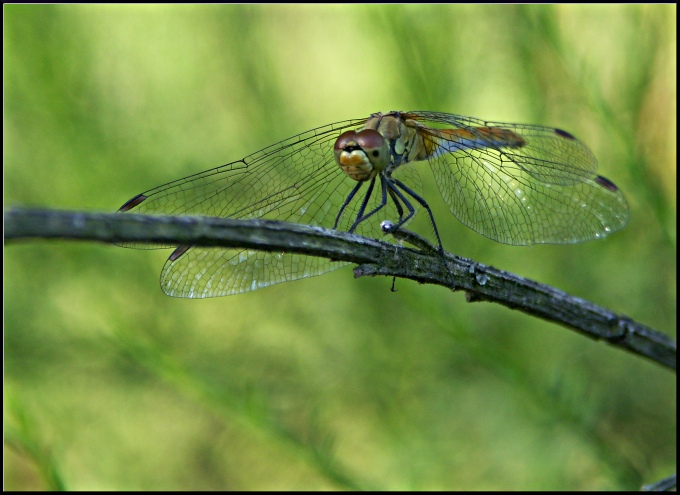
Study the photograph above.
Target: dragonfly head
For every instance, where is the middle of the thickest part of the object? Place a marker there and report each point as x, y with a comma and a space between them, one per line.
361, 155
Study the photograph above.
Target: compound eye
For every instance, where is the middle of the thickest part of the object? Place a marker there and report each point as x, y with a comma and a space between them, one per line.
344, 140
370, 140
374, 146
367, 143
361, 155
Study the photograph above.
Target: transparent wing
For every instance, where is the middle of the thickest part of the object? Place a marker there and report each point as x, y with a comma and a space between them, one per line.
516, 184
519, 184
296, 180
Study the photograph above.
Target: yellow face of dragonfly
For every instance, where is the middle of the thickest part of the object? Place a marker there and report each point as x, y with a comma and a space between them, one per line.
361, 155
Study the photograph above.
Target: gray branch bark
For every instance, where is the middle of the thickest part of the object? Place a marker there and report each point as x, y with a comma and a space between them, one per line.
424, 265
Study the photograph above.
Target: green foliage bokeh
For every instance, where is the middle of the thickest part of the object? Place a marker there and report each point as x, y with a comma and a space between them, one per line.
329, 382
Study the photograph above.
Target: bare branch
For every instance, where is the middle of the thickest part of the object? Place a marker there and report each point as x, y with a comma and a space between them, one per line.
481, 282
665, 485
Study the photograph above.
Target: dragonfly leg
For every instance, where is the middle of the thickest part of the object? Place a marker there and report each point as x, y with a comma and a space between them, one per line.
360, 216
394, 183
347, 201
397, 203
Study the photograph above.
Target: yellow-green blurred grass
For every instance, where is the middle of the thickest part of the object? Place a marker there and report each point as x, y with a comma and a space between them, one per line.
329, 382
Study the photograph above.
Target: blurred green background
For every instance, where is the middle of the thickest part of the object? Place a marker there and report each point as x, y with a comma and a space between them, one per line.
329, 382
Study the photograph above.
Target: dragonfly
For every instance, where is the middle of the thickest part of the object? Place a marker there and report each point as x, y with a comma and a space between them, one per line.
513, 183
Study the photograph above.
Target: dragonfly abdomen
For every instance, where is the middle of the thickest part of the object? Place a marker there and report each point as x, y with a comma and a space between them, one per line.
455, 140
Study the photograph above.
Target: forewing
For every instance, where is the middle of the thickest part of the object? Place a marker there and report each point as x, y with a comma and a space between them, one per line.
295, 180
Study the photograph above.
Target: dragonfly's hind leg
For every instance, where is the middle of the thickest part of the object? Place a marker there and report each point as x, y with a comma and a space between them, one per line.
420, 242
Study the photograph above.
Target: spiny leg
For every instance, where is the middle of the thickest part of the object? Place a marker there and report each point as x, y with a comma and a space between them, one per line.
397, 203
347, 201
394, 183
400, 211
360, 216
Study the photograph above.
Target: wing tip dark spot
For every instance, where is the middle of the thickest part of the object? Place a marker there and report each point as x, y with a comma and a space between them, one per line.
178, 252
564, 134
133, 202
606, 183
